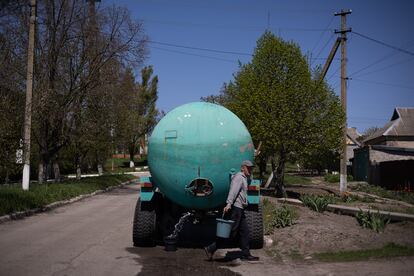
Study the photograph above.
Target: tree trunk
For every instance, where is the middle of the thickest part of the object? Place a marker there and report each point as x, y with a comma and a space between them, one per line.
56, 171
100, 170
6, 180
279, 173
131, 150
41, 172
78, 172
262, 166
131, 159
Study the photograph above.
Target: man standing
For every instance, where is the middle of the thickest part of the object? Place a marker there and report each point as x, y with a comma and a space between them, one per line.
236, 203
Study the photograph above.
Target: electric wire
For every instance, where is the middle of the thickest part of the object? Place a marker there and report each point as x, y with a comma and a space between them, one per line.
386, 67
385, 57
232, 27
384, 44
321, 36
324, 46
198, 48
192, 54
384, 83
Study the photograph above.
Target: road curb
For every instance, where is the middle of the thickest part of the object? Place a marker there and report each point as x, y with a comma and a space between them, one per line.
53, 205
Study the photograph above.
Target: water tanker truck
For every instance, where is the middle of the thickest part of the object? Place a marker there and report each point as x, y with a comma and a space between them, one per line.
192, 154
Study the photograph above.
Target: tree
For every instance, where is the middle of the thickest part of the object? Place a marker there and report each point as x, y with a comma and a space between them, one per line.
367, 133
72, 55
12, 73
138, 113
323, 152
281, 105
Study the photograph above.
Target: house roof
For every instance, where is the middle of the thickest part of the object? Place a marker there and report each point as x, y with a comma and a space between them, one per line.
353, 134
401, 124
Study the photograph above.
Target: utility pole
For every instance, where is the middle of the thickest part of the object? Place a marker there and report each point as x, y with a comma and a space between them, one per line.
330, 58
343, 31
29, 89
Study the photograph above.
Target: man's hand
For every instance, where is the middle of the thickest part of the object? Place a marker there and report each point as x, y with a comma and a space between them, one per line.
226, 209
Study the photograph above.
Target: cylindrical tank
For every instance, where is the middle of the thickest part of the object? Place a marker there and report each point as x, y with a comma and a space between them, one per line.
192, 151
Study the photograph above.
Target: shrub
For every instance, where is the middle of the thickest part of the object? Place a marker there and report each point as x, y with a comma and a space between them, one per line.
374, 221
317, 203
349, 198
277, 217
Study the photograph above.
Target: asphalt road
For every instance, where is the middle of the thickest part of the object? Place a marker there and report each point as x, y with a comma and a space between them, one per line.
93, 237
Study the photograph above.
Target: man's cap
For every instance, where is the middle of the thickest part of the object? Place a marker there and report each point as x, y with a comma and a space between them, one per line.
247, 163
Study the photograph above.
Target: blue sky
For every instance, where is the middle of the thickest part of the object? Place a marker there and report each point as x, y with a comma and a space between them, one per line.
185, 75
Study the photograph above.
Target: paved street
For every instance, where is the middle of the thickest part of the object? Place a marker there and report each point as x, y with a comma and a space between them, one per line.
93, 237
90, 237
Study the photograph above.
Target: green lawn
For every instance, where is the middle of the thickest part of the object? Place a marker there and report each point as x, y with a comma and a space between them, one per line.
14, 199
296, 179
121, 165
389, 250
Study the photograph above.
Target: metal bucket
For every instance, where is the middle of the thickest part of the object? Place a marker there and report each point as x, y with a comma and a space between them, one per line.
223, 228
170, 244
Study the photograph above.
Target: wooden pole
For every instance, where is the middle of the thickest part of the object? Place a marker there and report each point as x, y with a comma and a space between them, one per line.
344, 160
29, 90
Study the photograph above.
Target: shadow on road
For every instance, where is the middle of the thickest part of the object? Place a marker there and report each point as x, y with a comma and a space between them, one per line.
190, 258
184, 261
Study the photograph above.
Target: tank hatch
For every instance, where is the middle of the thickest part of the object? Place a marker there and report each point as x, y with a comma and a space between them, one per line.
200, 187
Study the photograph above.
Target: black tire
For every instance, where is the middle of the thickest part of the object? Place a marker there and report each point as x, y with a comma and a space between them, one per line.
144, 226
254, 219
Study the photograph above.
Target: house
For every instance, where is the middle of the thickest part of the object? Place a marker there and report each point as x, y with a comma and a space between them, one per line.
352, 143
387, 157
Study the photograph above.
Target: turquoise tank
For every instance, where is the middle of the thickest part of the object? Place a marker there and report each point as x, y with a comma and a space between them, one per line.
192, 152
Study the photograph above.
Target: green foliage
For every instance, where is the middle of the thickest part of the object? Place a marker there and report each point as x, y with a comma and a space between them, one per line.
277, 217
379, 191
14, 199
389, 250
137, 113
317, 203
282, 105
11, 118
374, 221
334, 178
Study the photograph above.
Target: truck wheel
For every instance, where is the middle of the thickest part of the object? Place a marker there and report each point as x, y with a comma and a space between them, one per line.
144, 226
254, 219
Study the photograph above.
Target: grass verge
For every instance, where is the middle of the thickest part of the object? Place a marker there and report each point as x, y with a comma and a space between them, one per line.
334, 178
14, 199
389, 250
296, 179
379, 191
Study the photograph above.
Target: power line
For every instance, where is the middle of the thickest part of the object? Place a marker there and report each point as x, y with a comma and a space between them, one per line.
203, 49
236, 27
390, 54
384, 83
386, 67
324, 46
333, 74
384, 44
200, 49
192, 54
323, 33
